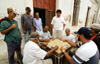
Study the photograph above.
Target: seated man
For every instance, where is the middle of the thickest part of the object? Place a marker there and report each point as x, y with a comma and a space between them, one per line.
33, 53
68, 36
45, 36
87, 53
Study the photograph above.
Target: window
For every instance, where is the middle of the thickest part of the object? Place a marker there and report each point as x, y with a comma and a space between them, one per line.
76, 12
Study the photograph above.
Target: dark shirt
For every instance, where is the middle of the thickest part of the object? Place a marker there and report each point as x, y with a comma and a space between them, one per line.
27, 21
97, 41
12, 35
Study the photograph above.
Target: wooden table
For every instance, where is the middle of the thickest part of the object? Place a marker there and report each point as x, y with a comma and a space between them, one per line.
58, 54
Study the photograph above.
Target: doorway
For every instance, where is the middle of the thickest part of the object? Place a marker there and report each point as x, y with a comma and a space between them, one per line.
87, 17
41, 14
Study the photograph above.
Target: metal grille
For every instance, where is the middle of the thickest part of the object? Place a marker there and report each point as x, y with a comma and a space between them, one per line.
76, 12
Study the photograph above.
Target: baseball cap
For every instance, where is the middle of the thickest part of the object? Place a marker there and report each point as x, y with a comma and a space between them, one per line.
15, 12
84, 31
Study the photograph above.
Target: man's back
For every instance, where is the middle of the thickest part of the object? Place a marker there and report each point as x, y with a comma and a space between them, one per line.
87, 54
33, 53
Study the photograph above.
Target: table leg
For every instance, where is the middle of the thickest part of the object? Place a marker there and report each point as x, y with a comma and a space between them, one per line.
55, 60
59, 60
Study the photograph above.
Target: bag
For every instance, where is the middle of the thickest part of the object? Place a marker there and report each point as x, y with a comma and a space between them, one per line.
5, 18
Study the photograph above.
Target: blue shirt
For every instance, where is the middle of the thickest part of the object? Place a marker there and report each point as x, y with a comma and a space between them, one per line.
38, 23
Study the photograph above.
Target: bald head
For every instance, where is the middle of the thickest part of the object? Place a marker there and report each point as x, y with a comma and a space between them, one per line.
37, 15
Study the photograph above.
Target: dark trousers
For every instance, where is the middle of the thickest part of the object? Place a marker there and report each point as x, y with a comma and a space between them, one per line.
12, 47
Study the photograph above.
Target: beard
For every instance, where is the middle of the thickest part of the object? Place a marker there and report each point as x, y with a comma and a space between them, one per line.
79, 39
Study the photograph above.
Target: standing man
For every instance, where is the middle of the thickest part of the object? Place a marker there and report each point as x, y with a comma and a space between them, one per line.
10, 29
87, 53
38, 22
27, 23
58, 24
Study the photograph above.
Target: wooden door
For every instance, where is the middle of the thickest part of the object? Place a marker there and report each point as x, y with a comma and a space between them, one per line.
49, 14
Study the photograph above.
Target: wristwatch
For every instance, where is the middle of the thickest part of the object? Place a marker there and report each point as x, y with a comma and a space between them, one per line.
63, 51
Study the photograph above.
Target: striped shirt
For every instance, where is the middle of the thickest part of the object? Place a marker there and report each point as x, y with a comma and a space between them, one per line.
86, 54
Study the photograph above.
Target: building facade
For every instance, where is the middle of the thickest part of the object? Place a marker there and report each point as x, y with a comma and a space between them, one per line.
77, 13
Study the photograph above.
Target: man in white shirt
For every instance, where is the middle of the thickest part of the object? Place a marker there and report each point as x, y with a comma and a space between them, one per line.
87, 53
69, 36
58, 24
45, 36
33, 54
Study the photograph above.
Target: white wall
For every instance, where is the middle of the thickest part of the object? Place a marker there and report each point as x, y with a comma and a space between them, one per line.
20, 6
67, 8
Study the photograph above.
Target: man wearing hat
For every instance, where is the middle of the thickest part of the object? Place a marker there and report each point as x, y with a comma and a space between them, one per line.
87, 53
10, 29
27, 23
33, 54
95, 28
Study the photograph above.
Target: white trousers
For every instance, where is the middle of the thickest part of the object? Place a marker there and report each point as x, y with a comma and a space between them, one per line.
57, 33
47, 61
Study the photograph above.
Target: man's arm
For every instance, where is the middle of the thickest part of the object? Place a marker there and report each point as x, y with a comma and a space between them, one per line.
49, 52
67, 56
8, 29
20, 33
52, 26
64, 26
71, 43
44, 40
23, 28
33, 28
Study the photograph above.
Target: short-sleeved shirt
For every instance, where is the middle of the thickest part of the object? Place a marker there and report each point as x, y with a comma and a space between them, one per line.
58, 22
70, 37
12, 35
38, 23
33, 53
27, 21
44, 35
86, 54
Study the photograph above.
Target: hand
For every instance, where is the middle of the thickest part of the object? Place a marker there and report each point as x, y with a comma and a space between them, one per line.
44, 44
56, 47
62, 49
13, 26
47, 40
65, 40
24, 32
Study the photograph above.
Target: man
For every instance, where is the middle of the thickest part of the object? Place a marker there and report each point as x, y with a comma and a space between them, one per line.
27, 23
58, 24
45, 36
87, 53
37, 22
69, 36
12, 35
33, 53
95, 28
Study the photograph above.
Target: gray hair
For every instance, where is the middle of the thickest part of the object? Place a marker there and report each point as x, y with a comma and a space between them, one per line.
95, 27
67, 29
36, 13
